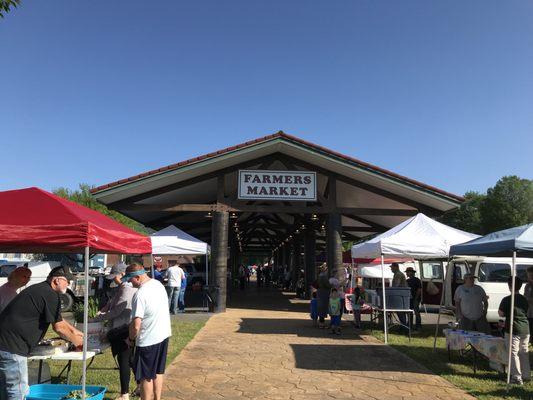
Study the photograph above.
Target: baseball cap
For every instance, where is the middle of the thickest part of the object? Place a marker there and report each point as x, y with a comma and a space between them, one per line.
116, 269
61, 271
469, 276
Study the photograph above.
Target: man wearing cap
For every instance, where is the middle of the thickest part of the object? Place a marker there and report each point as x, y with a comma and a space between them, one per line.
149, 330
416, 295
24, 323
471, 303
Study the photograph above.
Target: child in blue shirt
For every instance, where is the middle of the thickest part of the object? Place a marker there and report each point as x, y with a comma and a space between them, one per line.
314, 309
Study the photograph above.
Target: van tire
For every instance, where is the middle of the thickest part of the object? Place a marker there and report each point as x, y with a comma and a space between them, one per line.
67, 301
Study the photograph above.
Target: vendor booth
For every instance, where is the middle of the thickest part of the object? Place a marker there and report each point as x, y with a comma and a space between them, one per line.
419, 238
173, 241
511, 242
35, 221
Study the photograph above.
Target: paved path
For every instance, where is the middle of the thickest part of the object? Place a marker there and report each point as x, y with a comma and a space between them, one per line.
265, 348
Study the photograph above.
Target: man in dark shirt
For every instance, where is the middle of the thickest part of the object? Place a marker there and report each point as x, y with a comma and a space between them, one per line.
520, 369
416, 294
24, 323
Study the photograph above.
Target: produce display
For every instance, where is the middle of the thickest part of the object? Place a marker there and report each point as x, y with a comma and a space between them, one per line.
75, 395
50, 347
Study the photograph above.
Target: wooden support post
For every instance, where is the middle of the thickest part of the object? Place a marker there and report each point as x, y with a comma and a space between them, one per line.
310, 259
219, 254
334, 246
334, 233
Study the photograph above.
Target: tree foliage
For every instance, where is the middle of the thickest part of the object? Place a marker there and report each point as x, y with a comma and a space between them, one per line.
509, 203
83, 196
6, 5
467, 217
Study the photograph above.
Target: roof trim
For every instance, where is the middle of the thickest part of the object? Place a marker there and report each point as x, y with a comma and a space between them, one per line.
289, 138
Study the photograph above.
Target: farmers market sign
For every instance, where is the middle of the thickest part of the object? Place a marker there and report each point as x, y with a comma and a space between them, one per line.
277, 185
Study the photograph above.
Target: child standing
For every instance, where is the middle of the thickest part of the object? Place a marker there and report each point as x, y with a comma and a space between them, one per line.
314, 309
335, 311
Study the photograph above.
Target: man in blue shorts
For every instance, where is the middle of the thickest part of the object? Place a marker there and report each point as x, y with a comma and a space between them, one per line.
149, 330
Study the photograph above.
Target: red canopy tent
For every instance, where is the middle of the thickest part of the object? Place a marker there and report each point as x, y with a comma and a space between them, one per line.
35, 221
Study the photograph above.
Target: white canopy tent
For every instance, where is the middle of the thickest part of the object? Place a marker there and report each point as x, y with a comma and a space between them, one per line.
419, 237
173, 241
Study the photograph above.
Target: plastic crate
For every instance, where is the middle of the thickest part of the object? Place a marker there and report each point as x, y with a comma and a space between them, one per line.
57, 392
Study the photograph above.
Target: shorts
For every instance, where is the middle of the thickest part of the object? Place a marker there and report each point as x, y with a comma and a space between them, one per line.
150, 361
335, 320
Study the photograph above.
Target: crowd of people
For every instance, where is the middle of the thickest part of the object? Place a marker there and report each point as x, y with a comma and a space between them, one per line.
139, 321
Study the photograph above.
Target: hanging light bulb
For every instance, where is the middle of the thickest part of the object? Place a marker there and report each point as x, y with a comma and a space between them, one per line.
314, 217
209, 215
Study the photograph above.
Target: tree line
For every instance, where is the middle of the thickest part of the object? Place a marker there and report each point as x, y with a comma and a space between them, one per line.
507, 204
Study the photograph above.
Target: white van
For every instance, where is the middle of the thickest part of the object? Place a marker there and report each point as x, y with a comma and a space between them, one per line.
492, 273
39, 273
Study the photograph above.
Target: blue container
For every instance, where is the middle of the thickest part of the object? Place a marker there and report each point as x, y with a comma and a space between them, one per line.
397, 297
57, 392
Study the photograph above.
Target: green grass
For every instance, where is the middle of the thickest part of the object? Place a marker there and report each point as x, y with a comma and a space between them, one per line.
103, 372
486, 384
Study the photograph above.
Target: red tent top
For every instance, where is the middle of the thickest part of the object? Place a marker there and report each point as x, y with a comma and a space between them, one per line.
35, 221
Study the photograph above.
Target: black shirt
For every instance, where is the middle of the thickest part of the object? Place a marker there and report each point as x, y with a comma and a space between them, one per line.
415, 284
25, 320
520, 321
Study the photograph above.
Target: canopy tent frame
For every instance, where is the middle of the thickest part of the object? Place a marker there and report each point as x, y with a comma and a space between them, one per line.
419, 238
41, 222
174, 241
512, 241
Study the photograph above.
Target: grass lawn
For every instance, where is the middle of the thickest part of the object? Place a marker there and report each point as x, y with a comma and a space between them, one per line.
485, 384
103, 372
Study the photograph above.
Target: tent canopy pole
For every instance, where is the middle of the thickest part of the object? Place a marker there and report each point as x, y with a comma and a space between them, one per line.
85, 321
385, 328
511, 320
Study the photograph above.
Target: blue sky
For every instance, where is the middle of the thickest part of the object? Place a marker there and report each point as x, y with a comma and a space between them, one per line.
94, 91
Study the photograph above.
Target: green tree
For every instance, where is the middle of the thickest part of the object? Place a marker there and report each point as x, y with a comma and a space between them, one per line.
509, 203
6, 5
468, 216
83, 196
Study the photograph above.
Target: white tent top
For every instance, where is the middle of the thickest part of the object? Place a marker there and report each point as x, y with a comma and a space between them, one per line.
172, 240
374, 270
419, 237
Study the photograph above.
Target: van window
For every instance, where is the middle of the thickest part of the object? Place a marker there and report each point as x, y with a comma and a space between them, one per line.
499, 272
432, 270
459, 271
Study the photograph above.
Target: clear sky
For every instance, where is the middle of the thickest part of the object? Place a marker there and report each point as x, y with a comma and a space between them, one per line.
94, 91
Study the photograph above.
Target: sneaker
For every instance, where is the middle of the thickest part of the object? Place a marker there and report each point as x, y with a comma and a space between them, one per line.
124, 396
517, 381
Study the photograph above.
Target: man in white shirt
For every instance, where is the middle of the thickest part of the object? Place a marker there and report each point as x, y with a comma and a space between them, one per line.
18, 278
150, 330
175, 277
471, 303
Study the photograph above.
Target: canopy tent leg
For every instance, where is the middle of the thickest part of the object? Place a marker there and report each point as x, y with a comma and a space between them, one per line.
511, 321
152, 265
385, 328
85, 321
438, 317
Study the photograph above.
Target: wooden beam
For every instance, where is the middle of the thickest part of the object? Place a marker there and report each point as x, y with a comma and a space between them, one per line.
274, 209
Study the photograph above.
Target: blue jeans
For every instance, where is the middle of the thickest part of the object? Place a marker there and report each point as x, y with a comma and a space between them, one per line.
13, 376
181, 301
173, 299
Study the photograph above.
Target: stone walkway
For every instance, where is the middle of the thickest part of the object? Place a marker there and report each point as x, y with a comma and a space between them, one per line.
264, 347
